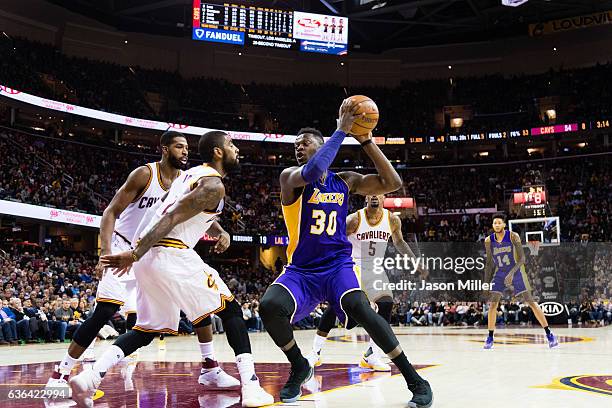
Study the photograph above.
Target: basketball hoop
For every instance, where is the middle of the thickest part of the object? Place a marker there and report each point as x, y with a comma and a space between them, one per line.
534, 247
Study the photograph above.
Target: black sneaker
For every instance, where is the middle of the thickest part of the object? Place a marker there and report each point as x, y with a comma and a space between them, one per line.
292, 390
422, 397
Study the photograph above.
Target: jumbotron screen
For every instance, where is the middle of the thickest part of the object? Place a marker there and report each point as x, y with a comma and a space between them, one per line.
269, 27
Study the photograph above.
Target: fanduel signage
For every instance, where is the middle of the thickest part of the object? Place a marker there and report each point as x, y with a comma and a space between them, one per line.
221, 36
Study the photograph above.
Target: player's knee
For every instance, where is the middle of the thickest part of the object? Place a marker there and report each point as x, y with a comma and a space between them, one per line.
104, 311
134, 339
356, 305
385, 307
145, 338
276, 302
267, 308
232, 310
207, 321
90, 328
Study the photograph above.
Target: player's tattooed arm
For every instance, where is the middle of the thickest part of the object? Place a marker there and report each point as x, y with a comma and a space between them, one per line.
520, 253
489, 266
205, 196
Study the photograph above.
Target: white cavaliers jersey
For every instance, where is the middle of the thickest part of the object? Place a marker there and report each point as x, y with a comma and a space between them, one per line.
372, 238
130, 218
188, 233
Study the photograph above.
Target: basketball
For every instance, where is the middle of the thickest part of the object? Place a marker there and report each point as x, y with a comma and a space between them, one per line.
364, 124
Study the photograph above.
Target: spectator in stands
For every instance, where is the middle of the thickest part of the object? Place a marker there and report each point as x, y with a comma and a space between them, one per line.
28, 326
65, 314
217, 324
258, 324
33, 312
9, 327
436, 312
247, 315
512, 313
185, 326
22, 326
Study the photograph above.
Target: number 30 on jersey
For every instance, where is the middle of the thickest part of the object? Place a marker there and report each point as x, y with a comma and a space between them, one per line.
323, 222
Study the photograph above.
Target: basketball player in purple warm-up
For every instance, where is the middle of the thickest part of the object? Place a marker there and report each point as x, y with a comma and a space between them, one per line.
320, 267
505, 257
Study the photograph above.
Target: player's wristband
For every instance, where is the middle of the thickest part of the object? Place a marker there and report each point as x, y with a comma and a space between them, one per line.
134, 256
366, 142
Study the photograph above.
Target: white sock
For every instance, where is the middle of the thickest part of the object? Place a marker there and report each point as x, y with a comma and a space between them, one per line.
110, 358
318, 343
207, 350
67, 363
91, 346
246, 368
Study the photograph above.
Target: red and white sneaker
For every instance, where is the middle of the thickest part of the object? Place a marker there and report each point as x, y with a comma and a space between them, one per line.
214, 378
57, 384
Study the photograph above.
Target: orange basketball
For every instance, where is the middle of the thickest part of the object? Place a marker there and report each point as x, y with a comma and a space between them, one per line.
364, 124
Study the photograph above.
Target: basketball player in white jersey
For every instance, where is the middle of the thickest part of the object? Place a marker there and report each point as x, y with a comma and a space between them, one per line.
172, 277
369, 230
145, 186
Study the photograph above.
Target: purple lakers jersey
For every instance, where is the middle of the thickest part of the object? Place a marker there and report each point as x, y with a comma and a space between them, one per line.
503, 252
316, 223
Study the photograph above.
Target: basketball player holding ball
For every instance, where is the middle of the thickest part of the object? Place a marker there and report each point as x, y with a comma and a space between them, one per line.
320, 267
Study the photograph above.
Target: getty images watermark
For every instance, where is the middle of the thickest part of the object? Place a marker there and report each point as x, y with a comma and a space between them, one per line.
413, 266
455, 268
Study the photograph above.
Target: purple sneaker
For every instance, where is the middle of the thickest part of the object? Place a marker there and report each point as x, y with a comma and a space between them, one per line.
553, 341
489, 343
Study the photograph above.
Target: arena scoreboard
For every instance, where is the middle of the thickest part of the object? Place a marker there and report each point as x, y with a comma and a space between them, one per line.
533, 200
269, 27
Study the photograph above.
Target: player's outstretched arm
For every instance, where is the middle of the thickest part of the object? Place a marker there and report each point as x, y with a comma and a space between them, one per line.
386, 181
205, 196
294, 177
127, 193
489, 261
